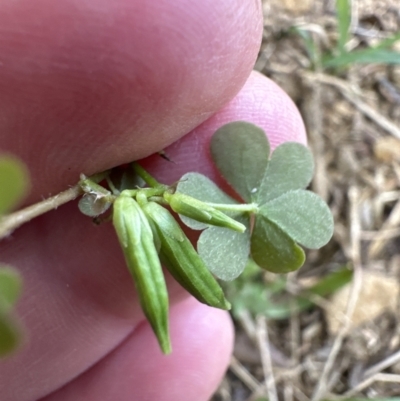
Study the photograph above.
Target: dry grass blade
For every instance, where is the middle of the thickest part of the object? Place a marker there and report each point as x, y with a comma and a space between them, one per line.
322, 387
244, 375
383, 377
263, 343
353, 95
382, 365
391, 222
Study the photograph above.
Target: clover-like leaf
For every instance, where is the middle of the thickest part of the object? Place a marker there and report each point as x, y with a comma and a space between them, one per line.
291, 167
10, 287
303, 216
225, 252
14, 182
202, 188
272, 249
241, 150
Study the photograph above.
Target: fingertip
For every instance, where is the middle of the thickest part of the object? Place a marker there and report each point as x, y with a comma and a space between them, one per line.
260, 101
93, 84
202, 340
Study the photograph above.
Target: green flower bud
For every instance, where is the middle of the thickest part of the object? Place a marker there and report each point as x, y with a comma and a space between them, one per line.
136, 238
200, 211
181, 259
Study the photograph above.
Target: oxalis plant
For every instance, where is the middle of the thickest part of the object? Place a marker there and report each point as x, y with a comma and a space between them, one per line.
276, 216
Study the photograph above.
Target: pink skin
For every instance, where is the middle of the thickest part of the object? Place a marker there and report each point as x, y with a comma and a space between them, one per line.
87, 85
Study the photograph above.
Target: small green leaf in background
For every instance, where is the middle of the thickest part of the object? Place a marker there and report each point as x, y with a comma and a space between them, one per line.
274, 250
14, 182
10, 287
241, 150
302, 215
291, 167
327, 285
10, 334
10, 330
371, 55
253, 293
343, 10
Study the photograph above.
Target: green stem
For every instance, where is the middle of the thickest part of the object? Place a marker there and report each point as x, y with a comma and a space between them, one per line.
147, 178
148, 192
112, 186
247, 207
91, 187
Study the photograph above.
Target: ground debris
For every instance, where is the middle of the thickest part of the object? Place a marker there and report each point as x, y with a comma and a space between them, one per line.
353, 120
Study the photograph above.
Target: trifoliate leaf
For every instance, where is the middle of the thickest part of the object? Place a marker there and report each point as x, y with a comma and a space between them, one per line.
10, 287
302, 215
10, 334
202, 188
291, 167
274, 250
241, 150
14, 182
225, 252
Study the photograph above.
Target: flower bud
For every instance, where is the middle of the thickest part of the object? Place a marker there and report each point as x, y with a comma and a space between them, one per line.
200, 211
181, 259
136, 238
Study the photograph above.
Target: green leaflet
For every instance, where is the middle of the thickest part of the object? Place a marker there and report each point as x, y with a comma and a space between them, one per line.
302, 215
274, 250
240, 150
291, 167
225, 252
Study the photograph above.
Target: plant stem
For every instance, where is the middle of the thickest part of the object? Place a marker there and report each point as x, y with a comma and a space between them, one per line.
12, 221
142, 173
247, 207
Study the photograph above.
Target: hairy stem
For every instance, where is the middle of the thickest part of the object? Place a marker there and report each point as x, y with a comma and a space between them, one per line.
145, 176
12, 221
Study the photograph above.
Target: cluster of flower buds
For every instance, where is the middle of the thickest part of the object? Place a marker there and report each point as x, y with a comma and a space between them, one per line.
150, 236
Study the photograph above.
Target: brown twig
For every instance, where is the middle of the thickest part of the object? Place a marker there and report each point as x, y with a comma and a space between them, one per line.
11, 222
